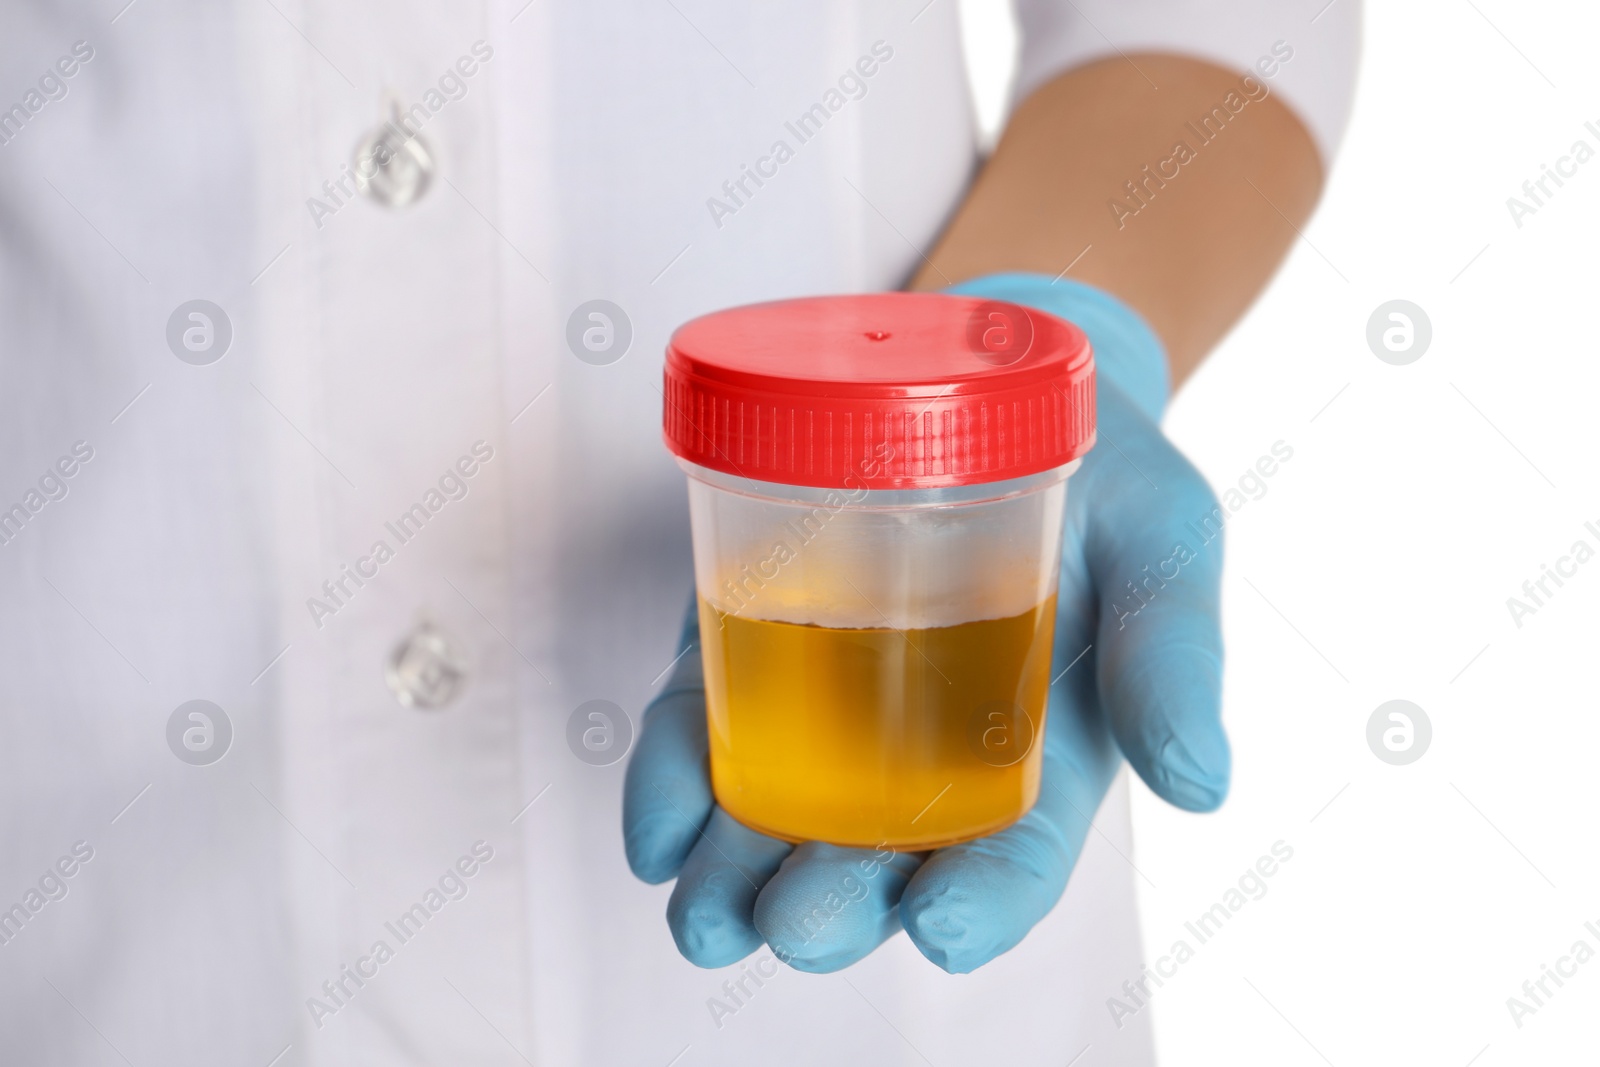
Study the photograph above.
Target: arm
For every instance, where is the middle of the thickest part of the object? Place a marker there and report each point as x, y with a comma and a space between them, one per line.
1192, 260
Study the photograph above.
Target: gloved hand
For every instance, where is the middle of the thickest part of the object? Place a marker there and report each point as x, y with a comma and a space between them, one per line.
1139, 591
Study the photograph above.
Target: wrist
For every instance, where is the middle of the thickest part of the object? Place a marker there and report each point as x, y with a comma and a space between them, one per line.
1128, 355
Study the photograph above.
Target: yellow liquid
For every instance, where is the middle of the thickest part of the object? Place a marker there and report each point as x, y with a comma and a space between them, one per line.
912, 739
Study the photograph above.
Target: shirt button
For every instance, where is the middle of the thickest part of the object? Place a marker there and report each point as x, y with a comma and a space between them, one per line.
393, 166
425, 670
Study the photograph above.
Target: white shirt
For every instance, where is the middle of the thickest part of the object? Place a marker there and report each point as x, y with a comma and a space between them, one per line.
584, 157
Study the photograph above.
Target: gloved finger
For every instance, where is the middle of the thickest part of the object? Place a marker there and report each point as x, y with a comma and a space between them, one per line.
710, 912
1153, 547
828, 907
971, 902
666, 794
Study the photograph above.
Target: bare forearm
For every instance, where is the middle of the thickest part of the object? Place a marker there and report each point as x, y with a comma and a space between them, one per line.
1196, 237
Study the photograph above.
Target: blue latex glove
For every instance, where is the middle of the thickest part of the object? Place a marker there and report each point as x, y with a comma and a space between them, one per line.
1148, 689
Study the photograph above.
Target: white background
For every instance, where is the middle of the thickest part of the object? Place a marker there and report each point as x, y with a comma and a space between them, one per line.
1378, 566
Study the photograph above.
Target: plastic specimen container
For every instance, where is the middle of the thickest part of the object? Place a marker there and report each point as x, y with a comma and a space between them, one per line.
877, 487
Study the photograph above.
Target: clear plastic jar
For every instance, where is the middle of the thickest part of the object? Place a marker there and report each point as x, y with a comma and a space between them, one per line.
877, 646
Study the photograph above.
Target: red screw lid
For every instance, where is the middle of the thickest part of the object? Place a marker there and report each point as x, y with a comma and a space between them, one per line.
885, 390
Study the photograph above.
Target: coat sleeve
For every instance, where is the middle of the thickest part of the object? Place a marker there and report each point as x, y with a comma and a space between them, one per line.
1304, 50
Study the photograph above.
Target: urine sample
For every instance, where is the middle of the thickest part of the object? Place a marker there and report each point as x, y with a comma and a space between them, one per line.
833, 732
877, 487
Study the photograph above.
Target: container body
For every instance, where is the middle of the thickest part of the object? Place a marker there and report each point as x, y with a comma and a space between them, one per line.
877, 661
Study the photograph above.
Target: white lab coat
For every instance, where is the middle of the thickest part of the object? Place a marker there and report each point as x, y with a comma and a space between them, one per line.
372, 350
